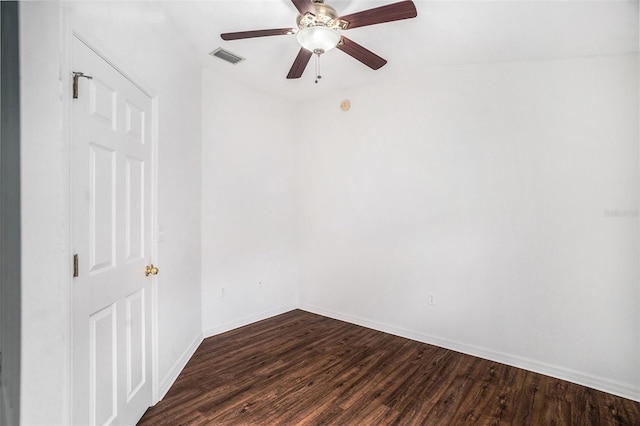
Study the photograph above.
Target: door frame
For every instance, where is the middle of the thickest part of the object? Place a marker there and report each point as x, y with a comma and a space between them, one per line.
73, 30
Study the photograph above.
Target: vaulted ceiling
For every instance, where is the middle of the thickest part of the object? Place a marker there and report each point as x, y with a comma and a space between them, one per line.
445, 32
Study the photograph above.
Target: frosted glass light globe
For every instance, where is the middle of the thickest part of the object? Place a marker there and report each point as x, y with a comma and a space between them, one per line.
318, 39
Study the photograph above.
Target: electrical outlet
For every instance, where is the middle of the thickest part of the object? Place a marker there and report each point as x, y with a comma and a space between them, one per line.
223, 292
431, 299
260, 284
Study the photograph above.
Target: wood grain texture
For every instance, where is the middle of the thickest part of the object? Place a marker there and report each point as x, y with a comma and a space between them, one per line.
255, 33
379, 15
300, 63
360, 53
304, 369
304, 6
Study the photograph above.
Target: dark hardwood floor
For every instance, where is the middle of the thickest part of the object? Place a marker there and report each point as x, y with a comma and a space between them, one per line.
300, 368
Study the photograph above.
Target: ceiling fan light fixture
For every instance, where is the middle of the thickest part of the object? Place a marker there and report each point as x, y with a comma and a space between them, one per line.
319, 28
318, 38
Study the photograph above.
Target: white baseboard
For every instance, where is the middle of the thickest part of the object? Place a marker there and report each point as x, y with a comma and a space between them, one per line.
6, 413
625, 390
178, 366
241, 322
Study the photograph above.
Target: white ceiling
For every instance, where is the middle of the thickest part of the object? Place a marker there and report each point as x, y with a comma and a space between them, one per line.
445, 32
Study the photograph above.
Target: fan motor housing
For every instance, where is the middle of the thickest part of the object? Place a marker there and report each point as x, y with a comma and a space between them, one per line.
325, 16
325, 10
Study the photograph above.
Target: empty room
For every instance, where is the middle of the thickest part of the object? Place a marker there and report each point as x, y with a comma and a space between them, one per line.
346, 212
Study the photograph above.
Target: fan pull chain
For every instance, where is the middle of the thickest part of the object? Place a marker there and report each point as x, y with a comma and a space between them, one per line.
318, 76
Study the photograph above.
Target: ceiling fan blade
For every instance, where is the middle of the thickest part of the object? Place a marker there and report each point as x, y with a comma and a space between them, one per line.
379, 15
255, 33
365, 56
299, 64
304, 6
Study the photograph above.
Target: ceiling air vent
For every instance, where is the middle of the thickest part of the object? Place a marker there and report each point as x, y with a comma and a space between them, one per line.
227, 56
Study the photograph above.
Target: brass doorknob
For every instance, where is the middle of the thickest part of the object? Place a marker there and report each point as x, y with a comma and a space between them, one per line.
151, 270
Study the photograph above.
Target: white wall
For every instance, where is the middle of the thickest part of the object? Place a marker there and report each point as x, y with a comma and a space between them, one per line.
508, 191
249, 204
143, 42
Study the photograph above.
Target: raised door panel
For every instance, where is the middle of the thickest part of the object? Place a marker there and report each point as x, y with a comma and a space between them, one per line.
135, 123
136, 341
102, 103
134, 209
102, 208
103, 374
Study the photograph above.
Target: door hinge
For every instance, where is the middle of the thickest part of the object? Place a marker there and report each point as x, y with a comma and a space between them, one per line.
75, 266
76, 76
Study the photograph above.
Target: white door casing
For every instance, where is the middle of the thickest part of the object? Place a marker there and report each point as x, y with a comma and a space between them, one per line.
111, 175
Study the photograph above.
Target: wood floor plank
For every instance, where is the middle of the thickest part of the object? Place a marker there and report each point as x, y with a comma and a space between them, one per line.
304, 369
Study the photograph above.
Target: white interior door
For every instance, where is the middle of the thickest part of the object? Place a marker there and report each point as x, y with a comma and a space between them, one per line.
111, 234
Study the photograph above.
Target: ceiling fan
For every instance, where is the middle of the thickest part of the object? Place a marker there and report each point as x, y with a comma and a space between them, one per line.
319, 27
